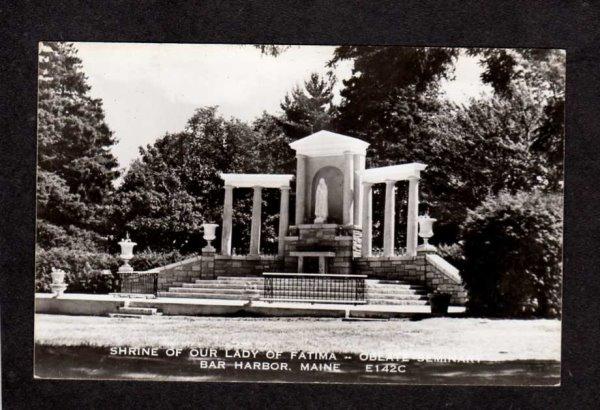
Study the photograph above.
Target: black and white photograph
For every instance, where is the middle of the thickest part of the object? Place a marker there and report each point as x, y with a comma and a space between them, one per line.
370, 214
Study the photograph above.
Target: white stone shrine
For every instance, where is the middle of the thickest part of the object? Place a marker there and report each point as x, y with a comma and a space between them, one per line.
338, 161
326, 256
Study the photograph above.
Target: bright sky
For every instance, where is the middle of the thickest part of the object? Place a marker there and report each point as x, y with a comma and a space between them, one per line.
149, 89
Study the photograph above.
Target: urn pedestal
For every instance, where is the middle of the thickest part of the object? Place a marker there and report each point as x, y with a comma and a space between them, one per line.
58, 284
126, 254
426, 232
209, 236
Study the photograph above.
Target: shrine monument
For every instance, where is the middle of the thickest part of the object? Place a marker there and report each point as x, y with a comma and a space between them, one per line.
326, 255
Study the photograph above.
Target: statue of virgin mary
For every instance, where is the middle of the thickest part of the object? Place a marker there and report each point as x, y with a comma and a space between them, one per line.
321, 211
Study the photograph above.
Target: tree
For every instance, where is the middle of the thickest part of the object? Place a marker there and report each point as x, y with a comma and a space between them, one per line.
75, 165
272, 49
273, 147
541, 74
381, 75
308, 109
542, 71
74, 139
512, 255
174, 187
479, 150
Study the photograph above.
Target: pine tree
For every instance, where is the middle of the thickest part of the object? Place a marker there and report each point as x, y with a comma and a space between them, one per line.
308, 109
74, 141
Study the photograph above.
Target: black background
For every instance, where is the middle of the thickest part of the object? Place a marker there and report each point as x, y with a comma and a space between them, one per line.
570, 25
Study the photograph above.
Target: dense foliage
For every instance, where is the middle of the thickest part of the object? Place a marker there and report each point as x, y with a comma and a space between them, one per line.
512, 249
481, 149
92, 272
75, 165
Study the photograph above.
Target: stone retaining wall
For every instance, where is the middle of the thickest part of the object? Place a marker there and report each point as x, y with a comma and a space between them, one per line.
207, 266
415, 270
246, 265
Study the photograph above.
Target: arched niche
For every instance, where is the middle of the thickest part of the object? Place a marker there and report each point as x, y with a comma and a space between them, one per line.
334, 178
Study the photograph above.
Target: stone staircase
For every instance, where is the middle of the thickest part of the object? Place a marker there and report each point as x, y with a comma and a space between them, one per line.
395, 292
127, 311
233, 288
380, 292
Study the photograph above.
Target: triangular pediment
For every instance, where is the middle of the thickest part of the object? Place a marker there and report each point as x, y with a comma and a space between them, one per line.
326, 143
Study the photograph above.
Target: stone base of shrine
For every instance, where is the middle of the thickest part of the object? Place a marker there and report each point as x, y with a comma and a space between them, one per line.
344, 241
310, 248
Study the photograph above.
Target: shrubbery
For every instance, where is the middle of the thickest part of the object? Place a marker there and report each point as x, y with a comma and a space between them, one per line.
148, 259
84, 268
512, 245
452, 253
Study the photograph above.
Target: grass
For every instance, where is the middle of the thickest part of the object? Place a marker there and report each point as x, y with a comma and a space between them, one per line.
454, 338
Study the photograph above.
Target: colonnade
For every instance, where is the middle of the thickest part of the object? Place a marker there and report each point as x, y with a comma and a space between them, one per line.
255, 227
257, 182
389, 217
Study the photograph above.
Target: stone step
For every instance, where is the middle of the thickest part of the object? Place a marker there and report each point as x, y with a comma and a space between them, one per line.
379, 283
138, 310
387, 281
228, 290
243, 291
377, 291
244, 279
234, 279
396, 302
393, 286
217, 285
259, 286
259, 279
126, 315
200, 295
395, 297
401, 299
397, 291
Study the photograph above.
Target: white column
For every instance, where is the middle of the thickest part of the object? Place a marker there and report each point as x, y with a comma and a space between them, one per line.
284, 218
300, 264
255, 227
367, 219
389, 220
412, 216
321, 264
348, 195
300, 188
227, 221
359, 165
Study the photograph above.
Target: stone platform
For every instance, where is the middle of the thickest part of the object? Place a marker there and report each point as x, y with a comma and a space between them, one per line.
103, 305
377, 292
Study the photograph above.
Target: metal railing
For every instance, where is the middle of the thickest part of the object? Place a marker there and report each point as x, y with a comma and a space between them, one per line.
139, 282
311, 287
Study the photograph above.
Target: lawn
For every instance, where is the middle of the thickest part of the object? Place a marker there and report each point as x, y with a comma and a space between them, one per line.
450, 338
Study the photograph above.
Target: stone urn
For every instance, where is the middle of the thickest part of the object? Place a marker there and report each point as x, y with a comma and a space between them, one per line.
426, 232
58, 284
126, 254
439, 302
209, 236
